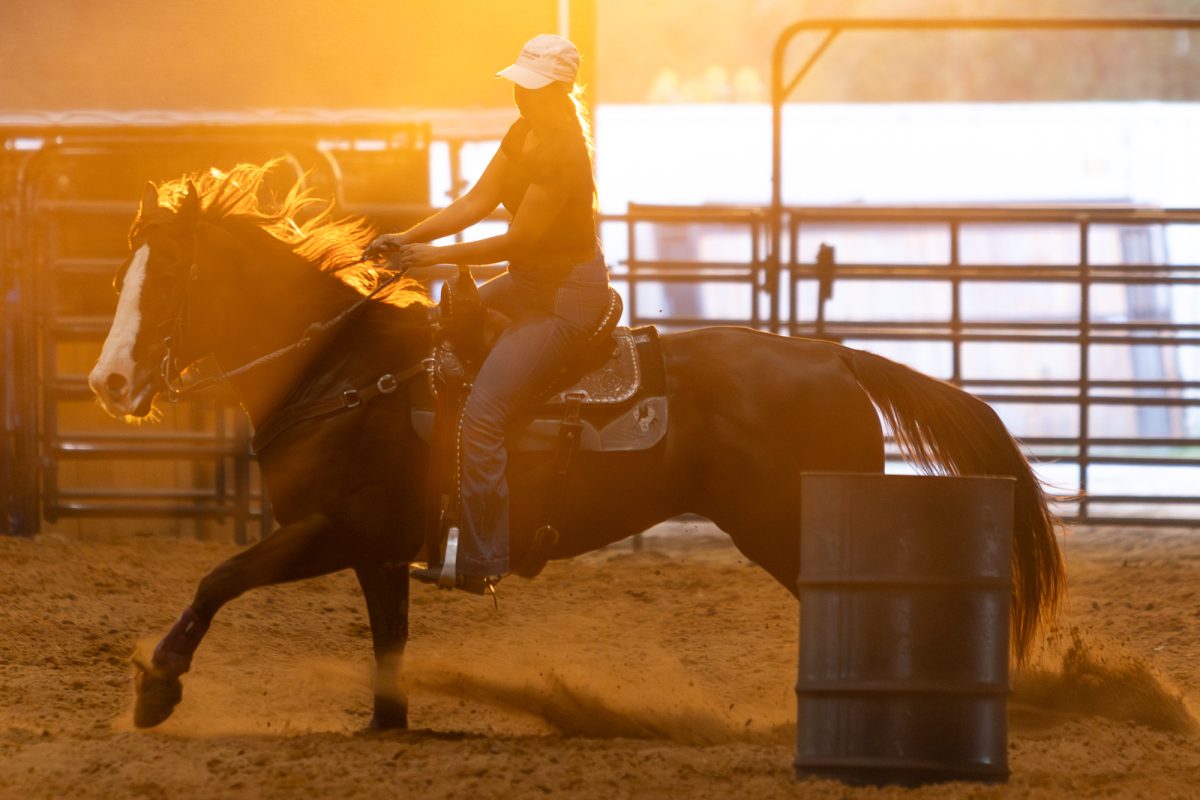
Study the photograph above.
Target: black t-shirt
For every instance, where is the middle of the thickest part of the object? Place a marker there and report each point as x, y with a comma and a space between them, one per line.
562, 162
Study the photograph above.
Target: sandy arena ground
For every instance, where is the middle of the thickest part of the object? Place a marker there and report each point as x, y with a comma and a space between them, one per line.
665, 673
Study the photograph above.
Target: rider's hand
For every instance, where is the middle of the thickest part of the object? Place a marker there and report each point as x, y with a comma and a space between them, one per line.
408, 256
383, 245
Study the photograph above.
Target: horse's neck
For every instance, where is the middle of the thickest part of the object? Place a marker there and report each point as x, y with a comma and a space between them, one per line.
276, 300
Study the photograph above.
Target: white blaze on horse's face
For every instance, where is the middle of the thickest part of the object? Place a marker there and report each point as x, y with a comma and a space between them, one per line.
115, 379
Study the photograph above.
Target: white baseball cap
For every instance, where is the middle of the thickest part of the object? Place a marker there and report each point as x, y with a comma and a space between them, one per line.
544, 59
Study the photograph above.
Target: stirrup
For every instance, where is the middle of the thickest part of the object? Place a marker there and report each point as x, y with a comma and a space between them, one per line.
482, 586
475, 584
447, 576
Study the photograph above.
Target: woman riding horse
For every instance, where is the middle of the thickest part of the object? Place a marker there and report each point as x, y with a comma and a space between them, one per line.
750, 413
555, 290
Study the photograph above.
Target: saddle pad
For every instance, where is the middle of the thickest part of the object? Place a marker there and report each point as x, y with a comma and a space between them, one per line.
625, 410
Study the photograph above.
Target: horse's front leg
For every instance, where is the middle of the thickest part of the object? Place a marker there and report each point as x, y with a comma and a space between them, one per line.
304, 549
385, 588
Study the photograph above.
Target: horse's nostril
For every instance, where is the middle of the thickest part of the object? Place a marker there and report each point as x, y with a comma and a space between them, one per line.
115, 382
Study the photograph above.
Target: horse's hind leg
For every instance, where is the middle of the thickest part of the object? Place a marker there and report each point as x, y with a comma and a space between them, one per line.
385, 588
835, 430
304, 549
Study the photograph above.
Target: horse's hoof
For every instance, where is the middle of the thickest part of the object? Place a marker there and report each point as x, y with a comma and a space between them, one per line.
157, 694
387, 722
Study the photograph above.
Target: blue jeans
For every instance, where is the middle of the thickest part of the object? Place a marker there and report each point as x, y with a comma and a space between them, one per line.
551, 317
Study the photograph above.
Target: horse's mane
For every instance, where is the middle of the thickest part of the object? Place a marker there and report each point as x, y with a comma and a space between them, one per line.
300, 222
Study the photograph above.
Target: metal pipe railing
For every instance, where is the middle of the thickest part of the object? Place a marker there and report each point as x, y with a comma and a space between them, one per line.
1088, 446
783, 87
32, 263
774, 292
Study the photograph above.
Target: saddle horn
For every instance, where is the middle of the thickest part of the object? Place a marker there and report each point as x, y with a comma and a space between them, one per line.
465, 288
462, 316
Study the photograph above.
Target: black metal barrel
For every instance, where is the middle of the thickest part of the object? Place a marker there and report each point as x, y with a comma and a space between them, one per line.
904, 627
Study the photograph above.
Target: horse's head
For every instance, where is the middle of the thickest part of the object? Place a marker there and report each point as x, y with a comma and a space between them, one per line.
203, 283
145, 342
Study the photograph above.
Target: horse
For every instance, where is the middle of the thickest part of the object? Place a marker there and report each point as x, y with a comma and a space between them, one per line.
280, 290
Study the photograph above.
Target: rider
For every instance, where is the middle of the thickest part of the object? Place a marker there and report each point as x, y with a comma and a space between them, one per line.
555, 290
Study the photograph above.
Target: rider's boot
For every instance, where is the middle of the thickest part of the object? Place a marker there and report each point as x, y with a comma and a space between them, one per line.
447, 576
475, 584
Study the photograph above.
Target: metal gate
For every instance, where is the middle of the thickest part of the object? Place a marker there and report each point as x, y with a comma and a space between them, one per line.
1117, 415
66, 212
62, 228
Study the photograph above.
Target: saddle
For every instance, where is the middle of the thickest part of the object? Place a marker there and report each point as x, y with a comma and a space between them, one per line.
616, 404
610, 398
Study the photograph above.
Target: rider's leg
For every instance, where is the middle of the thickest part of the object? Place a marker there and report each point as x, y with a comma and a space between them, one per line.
517, 371
551, 319
501, 294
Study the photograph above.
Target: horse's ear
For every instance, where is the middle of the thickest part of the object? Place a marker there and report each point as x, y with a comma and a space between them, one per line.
189, 209
149, 201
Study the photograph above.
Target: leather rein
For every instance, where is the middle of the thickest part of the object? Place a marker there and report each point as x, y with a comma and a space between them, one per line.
172, 373
281, 420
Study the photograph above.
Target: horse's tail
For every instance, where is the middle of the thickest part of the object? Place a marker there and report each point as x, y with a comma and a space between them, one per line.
941, 428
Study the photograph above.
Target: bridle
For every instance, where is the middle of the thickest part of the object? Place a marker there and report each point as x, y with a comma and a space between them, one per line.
172, 372
169, 369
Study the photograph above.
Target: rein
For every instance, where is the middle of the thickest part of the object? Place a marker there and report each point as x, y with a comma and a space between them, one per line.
288, 416
292, 415
173, 378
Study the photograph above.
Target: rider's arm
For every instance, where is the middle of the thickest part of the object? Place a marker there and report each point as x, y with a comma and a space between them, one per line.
480, 201
536, 214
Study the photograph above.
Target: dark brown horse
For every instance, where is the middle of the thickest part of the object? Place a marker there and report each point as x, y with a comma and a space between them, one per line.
212, 273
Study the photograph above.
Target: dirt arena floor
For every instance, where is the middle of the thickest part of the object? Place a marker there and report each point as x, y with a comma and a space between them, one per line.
664, 673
